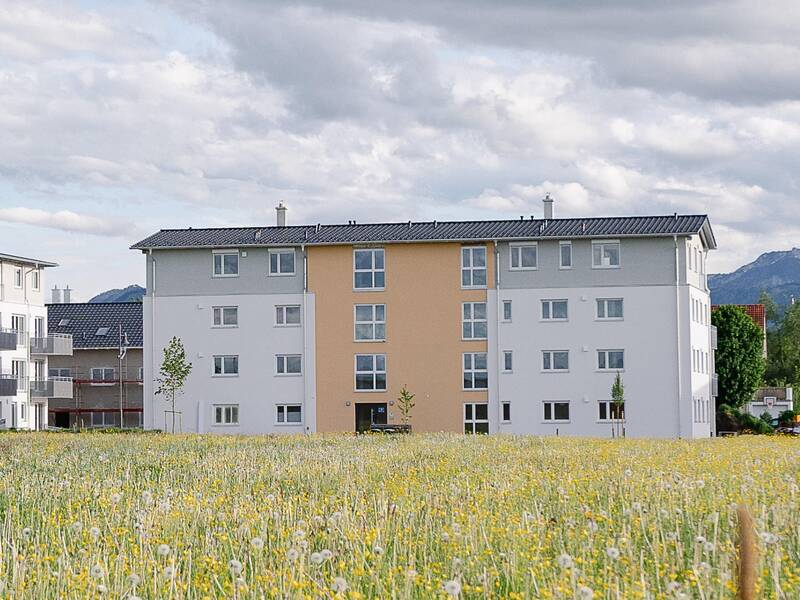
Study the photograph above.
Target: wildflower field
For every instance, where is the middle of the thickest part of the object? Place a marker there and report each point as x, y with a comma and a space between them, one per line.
159, 516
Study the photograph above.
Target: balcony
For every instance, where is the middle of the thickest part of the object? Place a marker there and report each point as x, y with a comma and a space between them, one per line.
55, 344
8, 385
714, 385
11, 338
713, 337
54, 387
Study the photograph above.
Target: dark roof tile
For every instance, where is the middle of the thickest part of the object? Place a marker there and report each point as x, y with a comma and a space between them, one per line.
83, 320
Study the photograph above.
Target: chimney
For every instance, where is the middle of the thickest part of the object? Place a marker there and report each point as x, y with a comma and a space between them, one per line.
56, 295
280, 211
548, 207
67, 295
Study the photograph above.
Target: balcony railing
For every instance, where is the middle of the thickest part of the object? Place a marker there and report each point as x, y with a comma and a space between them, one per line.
10, 339
714, 385
8, 384
55, 344
53, 387
713, 337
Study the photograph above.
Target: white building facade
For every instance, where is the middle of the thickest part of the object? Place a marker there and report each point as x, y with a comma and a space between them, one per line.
25, 346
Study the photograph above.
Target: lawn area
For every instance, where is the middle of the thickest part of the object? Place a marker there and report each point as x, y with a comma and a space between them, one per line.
159, 516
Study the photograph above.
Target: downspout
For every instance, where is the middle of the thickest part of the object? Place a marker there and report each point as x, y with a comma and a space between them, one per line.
304, 333
28, 340
497, 310
678, 324
152, 332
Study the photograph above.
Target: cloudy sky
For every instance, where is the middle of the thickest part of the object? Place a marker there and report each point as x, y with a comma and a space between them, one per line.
118, 119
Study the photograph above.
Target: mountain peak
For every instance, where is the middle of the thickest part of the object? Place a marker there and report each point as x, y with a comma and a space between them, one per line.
777, 272
132, 293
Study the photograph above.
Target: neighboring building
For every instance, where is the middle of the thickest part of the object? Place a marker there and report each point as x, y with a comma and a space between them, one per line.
757, 313
105, 367
26, 346
496, 326
773, 400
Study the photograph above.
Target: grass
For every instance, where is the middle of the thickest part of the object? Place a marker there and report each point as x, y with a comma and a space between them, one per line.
159, 516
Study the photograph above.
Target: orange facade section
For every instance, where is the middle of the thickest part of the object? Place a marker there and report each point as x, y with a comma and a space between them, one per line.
423, 344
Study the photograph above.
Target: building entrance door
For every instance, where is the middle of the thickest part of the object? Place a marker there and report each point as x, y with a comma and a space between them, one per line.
368, 414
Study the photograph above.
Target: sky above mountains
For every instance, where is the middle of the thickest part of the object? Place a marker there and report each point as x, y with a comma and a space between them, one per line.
119, 119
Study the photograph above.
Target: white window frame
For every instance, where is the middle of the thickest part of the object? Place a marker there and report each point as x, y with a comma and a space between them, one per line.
473, 420
374, 323
561, 265
549, 303
608, 419
552, 418
280, 314
517, 248
62, 372
510, 311
375, 372
282, 362
503, 406
469, 320
223, 253
552, 368
373, 270
18, 278
472, 371
141, 375
279, 252
602, 244
36, 279
472, 269
221, 310
605, 302
102, 380
227, 412
282, 412
606, 353
222, 358
508, 357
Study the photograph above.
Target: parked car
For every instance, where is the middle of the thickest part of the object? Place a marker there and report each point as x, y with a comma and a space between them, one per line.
791, 430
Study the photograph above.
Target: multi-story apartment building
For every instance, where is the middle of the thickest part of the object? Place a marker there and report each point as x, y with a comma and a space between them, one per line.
105, 367
26, 346
496, 326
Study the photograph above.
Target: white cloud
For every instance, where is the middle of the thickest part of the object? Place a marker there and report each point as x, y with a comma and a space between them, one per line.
66, 220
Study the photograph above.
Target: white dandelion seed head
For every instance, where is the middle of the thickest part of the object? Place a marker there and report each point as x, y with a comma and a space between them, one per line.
326, 554
101, 589
27, 532
163, 506
663, 513
76, 527
612, 553
565, 561
708, 547
452, 587
235, 566
673, 587
299, 534
303, 544
457, 562
339, 585
591, 526
270, 497
96, 571
95, 531
769, 537
162, 550
301, 524
169, 572
671, 536
115, 498
704, 569
445, 536
628, 472
316, 558
700, 540
636, 506
585, 593
318, 521
147, 497
377, 550
240, 582
292, 554
134, 579
257, 543
700, 484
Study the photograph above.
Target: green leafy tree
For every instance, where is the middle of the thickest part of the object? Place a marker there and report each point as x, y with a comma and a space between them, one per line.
771, 311
175, 370
739, 357
783, 341
405, 403
618, 403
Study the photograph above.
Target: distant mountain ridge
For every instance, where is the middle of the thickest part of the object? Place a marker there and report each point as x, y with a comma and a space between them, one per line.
132, 293
776, 272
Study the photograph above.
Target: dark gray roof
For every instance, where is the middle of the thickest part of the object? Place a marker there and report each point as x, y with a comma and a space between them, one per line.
27, 261
83, 320
431, 231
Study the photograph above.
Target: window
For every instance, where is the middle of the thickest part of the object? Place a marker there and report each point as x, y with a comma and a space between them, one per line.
556, 412
102, 331
226, 414
473, 324
473, 266
605, 255
476, 418
288, 414
226, 316
35, 279
105, 419
59, 372
506, 408
18, 324
610, 411
369, 269
19, 372
370, 322
370, 372
476, 373
288, 364
140, 375
286, 316
555, 360
63, 322
508, 361
507, 310
523, 257
565, 255
226, 264
226, 366
281, 262
609, 309
17, 277
610, 360
554, 310
103, 375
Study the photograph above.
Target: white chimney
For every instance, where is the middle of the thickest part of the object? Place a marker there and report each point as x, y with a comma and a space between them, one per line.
67, 295
280, 211
55, 298
548, 207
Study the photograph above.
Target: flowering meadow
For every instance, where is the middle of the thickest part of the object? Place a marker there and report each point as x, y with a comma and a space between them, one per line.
160, 516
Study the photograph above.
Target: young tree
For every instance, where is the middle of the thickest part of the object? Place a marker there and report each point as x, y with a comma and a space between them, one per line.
174, 371
739, 356
618, 404
404, 404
